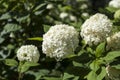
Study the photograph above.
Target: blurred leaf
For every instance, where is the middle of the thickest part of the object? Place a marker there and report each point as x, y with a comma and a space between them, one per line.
11, 27
1, 40
95, 65
102, 74
111, 9
92, 76
11, 62
67, 76
116, 66
111, 56
46, 28
36, 38
27, 65
100, 49
52, 78
76, 64
40, 6
5, 16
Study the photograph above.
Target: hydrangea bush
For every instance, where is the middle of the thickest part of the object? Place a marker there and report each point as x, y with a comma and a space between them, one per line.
59, 40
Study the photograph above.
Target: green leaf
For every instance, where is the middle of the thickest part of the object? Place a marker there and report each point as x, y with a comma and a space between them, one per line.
11, 27
1, 40
92, 76
52, 78
67, 76
111, 56
76, 64
95, 65
36, 38
40, 6
111, 9
116, 66
46, 28
11, 62
27, 65
100, 49
5, 16
102, 74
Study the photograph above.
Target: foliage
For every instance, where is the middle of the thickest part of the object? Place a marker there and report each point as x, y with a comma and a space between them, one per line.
25, 22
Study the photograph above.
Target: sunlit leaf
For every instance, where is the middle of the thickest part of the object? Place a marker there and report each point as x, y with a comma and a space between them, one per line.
111, 56
11, 62
100, 49
36, 38
27, 65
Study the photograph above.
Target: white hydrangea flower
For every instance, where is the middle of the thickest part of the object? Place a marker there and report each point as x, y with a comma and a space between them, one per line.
63, 15
28, 53
85, 14
96, 29
60, 41
113, 41
115, 3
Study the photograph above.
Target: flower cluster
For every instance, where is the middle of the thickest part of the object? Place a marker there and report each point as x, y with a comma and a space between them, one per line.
113, 41
96, 29
59, 41
28, 53
115, 3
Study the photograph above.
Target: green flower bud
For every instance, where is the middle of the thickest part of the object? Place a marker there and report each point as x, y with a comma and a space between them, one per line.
117, 15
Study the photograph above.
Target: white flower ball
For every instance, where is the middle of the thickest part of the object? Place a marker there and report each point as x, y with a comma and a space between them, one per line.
60, 41
28, 53
115, 3
113, 41
96, 29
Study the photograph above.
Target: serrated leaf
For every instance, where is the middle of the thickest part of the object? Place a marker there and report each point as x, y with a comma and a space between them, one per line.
100, 49
92, 76
46, 28
27, 65
11, 62
36, 38
111, 56
102, 74
67, 76
11, 27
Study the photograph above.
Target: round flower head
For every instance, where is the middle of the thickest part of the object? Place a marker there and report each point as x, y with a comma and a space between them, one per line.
96, 29
113, 42
28, 53
60, 41
115, 3
63, 15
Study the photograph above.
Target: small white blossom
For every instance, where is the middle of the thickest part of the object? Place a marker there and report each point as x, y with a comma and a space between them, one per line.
96, 29
28, 53
63, 15
113, 41
84, 6
73, 18
85, 14
115, 3
60, 41
49, 6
